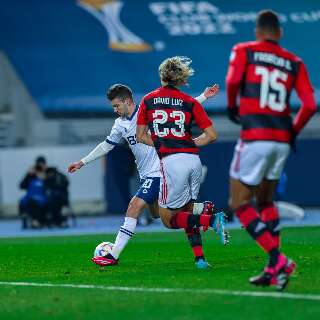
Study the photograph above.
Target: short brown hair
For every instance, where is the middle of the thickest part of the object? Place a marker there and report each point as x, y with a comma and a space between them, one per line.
267, 20
119, 91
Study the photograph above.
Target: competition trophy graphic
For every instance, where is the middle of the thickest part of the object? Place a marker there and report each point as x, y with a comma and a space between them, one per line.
108, 13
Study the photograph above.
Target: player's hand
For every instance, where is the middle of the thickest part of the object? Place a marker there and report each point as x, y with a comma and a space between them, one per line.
73, 167
233, 114
210, 92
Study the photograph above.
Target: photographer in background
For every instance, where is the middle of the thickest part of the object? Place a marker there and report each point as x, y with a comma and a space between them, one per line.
56, 185
34, 204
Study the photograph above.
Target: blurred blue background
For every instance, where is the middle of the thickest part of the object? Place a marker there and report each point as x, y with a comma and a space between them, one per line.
62, 51
57, 57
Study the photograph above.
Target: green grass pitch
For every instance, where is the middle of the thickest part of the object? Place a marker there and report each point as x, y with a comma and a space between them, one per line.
154, 260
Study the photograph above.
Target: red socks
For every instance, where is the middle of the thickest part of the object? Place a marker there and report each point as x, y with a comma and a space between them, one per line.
249, 218
187, 220
270, 216
194, 237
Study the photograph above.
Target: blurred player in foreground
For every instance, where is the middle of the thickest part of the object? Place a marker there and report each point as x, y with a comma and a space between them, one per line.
264, 74
169, 114
148, 167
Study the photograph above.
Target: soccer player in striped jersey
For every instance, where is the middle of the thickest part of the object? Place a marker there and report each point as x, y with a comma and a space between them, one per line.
165, 119
148, 166
263, 74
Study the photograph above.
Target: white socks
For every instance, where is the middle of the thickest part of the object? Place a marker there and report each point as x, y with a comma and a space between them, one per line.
125, 233
197, 207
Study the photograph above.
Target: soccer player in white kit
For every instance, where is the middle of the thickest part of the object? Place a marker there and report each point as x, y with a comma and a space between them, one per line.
168, 114
148, 166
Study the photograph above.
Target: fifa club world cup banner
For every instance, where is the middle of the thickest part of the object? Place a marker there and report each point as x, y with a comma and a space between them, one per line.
68, 52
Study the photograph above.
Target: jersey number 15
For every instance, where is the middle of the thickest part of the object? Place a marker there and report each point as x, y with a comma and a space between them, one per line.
271, 88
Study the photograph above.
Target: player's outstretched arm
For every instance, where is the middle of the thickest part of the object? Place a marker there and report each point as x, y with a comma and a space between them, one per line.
100, 150
208, 93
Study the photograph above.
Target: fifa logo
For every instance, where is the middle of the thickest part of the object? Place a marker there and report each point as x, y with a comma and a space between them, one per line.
108, 13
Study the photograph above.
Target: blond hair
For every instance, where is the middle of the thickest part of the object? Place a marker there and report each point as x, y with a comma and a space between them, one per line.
176, 71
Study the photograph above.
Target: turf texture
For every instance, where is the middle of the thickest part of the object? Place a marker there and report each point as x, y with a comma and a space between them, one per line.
154, 260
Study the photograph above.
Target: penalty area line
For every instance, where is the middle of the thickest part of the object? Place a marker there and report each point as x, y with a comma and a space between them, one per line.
275, 295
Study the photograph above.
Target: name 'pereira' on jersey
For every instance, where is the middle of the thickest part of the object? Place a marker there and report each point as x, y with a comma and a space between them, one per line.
147, 160
264, 75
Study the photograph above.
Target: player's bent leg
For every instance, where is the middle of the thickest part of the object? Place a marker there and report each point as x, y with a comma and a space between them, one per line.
125, 233
268, 211
240, 194
208, 208
195, 240
135, 207
165, 215
177, 219
240, 202
274, 273
127, 230
193, 235
154, 209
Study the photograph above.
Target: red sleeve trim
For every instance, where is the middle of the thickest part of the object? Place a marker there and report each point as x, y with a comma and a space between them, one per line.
237, 64
142, 118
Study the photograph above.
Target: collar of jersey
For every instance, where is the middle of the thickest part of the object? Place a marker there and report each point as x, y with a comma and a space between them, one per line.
134, 112
272, 41
169, 86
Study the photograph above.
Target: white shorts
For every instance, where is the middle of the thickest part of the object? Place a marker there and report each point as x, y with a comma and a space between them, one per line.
254, 161
180, 180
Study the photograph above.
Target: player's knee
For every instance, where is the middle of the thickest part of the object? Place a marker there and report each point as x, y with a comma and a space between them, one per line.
235, 204
134, 210
165, 218
232, 204
166, 222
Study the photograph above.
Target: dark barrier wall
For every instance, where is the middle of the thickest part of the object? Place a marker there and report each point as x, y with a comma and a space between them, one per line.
302, 169
120, 168
67, 52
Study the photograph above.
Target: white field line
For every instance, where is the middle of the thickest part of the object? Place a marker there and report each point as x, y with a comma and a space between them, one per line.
275, 295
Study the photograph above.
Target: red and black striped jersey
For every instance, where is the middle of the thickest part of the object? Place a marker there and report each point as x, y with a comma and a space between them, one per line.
169, 114
264, 74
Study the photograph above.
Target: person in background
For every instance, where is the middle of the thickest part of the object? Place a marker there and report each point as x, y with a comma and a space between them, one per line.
56, 185
34, 205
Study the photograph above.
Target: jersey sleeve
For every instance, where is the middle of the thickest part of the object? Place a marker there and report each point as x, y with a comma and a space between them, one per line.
304, 90
115, 135
237, 64
200, 116
100, 150
142, 118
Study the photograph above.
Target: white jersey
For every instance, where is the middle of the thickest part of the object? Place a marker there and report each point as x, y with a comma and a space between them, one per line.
147, 160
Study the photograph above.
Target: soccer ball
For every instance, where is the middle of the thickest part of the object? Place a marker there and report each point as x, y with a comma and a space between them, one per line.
103, 249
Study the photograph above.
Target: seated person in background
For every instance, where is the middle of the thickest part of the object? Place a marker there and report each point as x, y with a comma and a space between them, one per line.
34, 203
56, 185
39, 164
